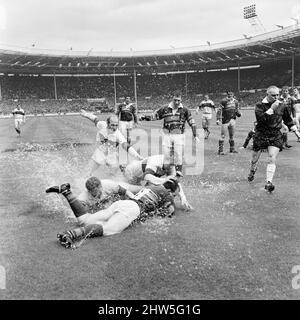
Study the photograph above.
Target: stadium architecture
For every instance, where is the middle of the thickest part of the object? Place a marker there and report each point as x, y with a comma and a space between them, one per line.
268, 52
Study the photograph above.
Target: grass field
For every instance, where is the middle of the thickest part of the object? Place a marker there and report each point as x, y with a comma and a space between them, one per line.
239, 243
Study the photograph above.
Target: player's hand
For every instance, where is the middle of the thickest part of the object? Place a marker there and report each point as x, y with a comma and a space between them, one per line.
218, 122
197, 139
83, 113
186, 205
275, 105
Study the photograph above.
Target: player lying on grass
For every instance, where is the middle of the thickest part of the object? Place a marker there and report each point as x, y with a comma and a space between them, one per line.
121, 214
98, 194
154, 170
270, 113
108, 140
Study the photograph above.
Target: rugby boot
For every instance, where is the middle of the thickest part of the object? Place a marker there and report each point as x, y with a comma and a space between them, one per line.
66, 239
221, 148
251, 175
285, 141
64, 188
269, 186
232, 149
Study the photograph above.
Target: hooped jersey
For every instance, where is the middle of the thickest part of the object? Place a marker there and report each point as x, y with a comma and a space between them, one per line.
175, 119
207, 106
18, 113
127, 112
108, 137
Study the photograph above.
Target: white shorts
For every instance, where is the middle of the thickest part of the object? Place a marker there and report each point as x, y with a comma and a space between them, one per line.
207, 116
18, 123
124, 126
103, 158
114, 219
176, 141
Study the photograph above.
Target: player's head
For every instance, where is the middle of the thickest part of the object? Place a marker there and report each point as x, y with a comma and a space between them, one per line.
94, 187
127, 99
230, 94
272, 93
206, 97
285, 91
295, 91
171, 185
18, 106
112, 122
177, 98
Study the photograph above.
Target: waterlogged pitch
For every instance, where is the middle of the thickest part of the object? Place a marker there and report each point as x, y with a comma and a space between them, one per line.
240, 242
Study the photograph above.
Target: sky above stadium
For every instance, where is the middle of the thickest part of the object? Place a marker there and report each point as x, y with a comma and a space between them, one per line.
122, 25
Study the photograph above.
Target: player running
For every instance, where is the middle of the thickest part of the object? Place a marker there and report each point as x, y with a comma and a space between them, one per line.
19, 117
269, 116
120, 215
108, 140
207, 106
127, 114
226, 115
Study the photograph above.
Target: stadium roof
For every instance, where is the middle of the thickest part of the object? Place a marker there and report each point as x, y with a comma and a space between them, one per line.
279, 44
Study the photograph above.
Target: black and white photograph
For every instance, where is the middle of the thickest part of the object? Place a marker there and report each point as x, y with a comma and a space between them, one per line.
149, 151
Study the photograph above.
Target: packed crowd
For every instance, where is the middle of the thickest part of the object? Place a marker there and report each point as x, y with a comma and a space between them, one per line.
153, 91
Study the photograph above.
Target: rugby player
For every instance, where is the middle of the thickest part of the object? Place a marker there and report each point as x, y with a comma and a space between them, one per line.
127, 114
19, 117
98, 194
154, 170
286, 98
270, 113
108, 139
226, 116
174, 116
207, 106
120, 215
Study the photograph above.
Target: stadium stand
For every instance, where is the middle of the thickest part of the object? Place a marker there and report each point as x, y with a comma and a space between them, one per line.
274, 58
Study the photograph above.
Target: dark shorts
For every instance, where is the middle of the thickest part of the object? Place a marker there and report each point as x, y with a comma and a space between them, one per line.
263, 140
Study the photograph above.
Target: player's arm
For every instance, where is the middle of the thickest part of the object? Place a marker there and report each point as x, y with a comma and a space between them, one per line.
126, 146
199, 108
158, 114
219, 112
89, 116
150, 177
183, 199
191, 122
237, 109
134, 113
263, 116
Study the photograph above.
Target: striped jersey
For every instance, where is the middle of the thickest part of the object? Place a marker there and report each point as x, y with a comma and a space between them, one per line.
18, 113
207, 106
175, 119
